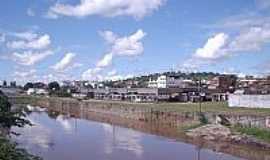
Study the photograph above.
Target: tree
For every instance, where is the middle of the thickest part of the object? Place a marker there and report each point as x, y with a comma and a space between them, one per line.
39, 85
13, 84
10, 151
28, 85
8, 117
4, 83
54, 86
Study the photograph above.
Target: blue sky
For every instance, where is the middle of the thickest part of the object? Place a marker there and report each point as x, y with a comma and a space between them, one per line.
49, 40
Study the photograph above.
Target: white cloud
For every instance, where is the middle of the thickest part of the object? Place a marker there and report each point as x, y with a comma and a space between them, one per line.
112, 72
51, 15
29, 58
32, 42
240, 21
25, 35
129, 46
92, 74
109, 36
105, 61
213, 47
120, 46
30, 12
113, 76
107, 8
66, 62
25, 74
248, 40
251, 39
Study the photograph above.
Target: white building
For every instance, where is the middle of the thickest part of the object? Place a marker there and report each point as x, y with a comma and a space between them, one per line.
164, 81
37, 91
30, 91
79, 95
41, 91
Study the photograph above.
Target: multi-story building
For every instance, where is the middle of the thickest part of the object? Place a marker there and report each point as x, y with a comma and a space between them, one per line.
223, 83
254, 85
169, 82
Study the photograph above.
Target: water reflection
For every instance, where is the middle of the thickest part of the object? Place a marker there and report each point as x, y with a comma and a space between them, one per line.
122, 139
57, 136
40, 134
65, 123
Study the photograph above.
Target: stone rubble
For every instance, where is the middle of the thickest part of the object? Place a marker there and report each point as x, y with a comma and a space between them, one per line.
217, 132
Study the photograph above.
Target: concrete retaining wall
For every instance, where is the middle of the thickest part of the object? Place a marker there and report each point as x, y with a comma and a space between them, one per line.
249, 101
139, 112
122, 110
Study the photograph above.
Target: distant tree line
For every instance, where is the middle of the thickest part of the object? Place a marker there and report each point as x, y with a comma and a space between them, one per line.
53, 88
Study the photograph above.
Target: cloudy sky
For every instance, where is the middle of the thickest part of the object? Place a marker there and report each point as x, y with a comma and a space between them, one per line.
49, 40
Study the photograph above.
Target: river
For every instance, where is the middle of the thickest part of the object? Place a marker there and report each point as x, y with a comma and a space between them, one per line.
56, 136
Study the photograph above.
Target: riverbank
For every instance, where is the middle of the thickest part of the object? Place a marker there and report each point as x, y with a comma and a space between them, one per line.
218, 133
153, 119
11, 118
209, 107
177, 115
174, 114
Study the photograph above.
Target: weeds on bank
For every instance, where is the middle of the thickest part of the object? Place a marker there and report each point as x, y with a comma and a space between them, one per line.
195, 124
10, 151
262, 134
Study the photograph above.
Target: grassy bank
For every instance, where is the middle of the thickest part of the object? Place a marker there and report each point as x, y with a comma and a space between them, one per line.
258, 133
213, 107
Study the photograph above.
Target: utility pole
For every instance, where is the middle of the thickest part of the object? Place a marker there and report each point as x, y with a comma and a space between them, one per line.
200, 93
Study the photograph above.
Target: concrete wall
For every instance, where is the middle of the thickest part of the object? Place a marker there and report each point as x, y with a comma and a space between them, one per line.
144, 112
249, 101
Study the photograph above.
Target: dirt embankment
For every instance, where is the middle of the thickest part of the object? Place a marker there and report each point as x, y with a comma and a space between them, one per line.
219, 133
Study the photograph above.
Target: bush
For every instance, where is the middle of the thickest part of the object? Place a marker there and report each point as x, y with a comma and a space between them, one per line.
9, 118
259, 133
203, 119
9, 151
60, 93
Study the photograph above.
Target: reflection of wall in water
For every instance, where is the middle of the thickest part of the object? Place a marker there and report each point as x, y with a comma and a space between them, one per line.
133, 112
157, 129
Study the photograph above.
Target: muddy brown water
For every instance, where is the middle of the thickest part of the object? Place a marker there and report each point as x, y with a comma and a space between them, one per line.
75, 135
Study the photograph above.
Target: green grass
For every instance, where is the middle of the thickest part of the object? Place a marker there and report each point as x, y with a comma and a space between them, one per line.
259, 133
213, 107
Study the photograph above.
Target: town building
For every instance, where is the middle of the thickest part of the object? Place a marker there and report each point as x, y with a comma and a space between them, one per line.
37, 91
223, 83
164, 81
145, 94
13, 84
